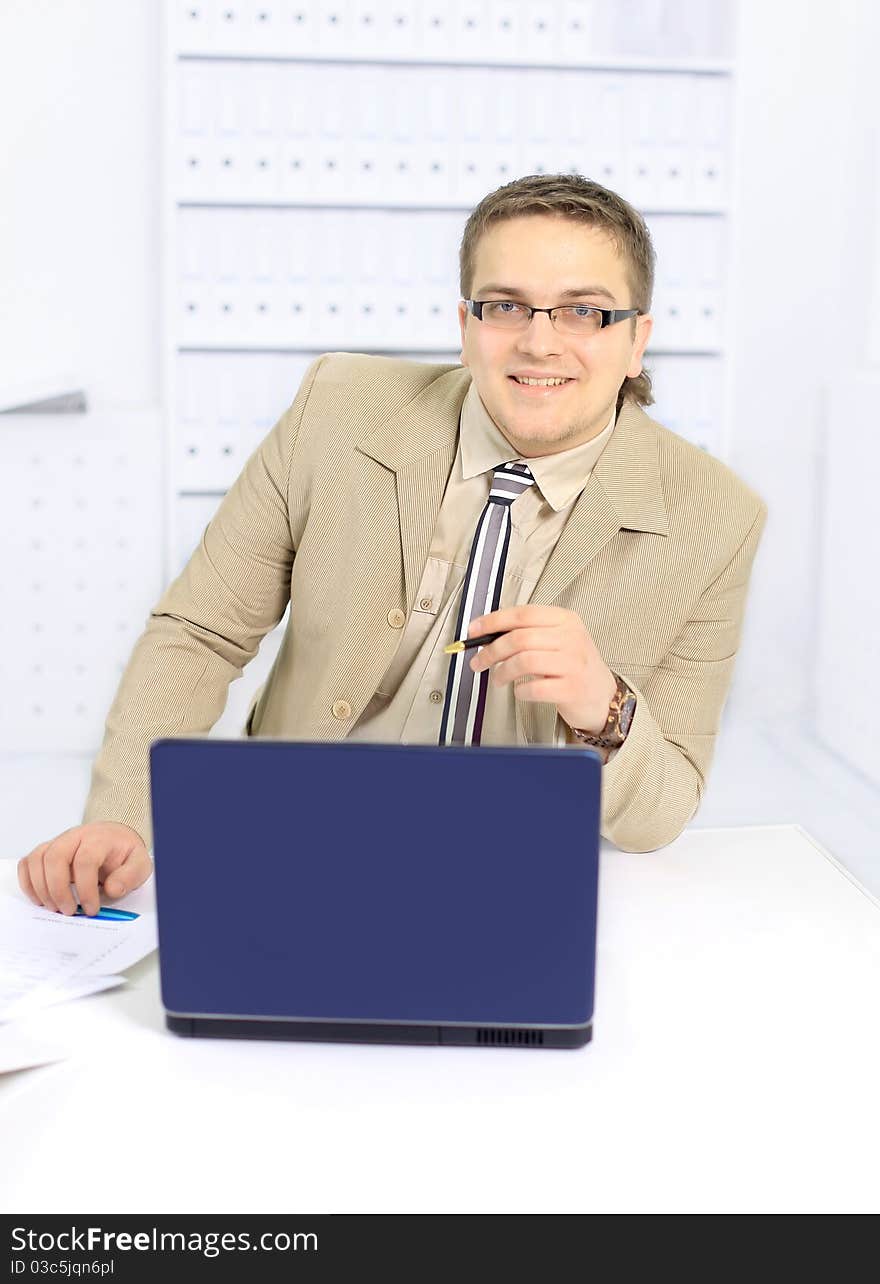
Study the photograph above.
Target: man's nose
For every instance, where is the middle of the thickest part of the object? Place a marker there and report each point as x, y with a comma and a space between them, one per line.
540, 335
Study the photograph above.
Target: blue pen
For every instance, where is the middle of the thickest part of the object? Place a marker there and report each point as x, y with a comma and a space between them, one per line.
117, 915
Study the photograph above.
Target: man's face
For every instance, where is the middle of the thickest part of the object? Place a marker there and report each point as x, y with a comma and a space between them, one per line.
536, 258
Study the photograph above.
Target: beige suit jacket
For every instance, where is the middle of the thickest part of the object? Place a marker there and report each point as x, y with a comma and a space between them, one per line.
334, 511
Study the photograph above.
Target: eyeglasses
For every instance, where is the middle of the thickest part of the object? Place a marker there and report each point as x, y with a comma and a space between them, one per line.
577, 318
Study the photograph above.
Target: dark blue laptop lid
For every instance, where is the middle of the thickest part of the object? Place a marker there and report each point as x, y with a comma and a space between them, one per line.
376, 882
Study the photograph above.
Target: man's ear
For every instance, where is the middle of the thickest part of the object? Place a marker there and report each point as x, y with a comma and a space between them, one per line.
644, 326
462, 323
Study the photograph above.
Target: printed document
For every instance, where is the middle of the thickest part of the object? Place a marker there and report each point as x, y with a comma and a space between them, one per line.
47, 957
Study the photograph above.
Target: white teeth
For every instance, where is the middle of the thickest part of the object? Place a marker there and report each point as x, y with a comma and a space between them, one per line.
539, 383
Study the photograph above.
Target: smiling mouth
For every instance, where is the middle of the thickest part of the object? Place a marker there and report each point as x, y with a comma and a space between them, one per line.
539, 385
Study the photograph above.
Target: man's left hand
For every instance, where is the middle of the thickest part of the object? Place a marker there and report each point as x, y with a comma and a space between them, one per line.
552, 644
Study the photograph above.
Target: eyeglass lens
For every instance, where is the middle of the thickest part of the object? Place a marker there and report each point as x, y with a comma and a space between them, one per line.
507, 315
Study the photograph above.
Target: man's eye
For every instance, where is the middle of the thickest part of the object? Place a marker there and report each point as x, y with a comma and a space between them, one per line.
506, 306
581, 310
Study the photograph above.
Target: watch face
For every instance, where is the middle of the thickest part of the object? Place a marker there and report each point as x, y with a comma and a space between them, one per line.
626, 715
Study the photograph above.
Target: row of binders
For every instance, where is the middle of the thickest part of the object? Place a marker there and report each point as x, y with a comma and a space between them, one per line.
568, 32
328, 278
312, 132
226, 403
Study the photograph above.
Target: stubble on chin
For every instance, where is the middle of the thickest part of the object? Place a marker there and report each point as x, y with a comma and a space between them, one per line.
549, 435
543, 435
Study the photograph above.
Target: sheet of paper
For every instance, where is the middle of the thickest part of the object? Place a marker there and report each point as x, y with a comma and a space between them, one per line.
19, 1051
43, 953
44, 996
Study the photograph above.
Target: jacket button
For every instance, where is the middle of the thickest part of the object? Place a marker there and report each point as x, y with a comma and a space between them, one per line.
396, 617
341, 709
426, 603
435, 697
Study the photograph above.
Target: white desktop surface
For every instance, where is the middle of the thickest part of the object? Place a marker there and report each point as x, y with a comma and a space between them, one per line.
735, 1067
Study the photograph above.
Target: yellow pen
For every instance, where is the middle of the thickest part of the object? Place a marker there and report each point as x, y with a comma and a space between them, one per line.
466, 643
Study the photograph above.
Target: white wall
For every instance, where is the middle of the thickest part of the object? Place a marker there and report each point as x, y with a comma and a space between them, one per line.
79, 214
805, 254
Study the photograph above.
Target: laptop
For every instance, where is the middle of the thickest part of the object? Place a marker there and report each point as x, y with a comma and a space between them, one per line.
377, 893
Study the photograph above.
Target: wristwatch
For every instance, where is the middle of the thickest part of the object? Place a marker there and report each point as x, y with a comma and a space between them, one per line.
620, 716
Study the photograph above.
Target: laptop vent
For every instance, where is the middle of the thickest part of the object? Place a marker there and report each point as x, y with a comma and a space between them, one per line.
492, 1035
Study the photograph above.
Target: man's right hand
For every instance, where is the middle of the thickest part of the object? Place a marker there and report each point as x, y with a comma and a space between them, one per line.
103, 852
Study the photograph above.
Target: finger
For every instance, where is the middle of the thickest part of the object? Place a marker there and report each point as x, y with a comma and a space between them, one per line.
24, 881
84, 871
544, 664
113, 861
540, 690
517, 617
543, 639
130, 873
37, 874
57, 860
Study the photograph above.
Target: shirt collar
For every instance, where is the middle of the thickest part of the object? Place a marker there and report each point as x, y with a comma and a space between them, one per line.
560, 477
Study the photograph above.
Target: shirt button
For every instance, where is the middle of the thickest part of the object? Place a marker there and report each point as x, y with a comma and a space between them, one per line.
435, 697
341, 709
396, 617
426, 603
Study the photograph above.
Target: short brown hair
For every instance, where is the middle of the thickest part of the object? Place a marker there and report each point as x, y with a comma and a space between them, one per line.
574, 197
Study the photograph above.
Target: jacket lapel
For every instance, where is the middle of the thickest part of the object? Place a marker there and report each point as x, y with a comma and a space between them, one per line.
418, 444
623, 492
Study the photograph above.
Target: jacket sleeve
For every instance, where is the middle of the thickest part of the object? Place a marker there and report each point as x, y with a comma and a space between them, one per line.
205, 628
653, 785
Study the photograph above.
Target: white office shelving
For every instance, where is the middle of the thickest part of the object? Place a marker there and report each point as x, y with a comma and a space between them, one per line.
640, 33
85, 565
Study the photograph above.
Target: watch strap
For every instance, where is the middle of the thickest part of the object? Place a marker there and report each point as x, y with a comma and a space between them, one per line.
618, 723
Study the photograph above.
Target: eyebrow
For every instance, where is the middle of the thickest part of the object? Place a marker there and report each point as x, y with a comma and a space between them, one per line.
595, 290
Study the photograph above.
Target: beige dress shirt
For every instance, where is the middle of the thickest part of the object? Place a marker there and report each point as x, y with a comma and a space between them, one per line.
408, 704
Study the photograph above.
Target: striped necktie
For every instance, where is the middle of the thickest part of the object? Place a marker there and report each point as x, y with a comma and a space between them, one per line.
481, 593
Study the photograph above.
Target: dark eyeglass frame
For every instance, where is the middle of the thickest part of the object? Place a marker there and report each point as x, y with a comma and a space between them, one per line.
610, 316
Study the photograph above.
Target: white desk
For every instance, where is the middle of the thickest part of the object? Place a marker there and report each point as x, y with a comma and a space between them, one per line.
735, 1067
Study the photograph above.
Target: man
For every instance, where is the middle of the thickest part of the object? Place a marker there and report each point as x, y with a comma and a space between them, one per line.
399, 506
